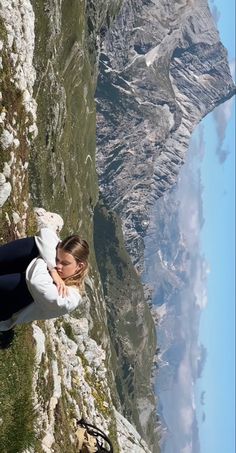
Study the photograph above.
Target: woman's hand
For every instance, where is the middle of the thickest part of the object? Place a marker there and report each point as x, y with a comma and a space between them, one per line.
60, 284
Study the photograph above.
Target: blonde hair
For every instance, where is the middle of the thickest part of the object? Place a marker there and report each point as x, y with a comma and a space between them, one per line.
79, 249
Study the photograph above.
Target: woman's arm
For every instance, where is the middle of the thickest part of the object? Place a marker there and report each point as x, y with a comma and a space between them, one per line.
46, 241
45, 292
60, 284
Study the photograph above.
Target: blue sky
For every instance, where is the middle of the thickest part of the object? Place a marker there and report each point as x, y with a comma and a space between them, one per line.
217, 329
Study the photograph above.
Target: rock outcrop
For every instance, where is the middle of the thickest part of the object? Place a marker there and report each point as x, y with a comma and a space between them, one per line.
18, 110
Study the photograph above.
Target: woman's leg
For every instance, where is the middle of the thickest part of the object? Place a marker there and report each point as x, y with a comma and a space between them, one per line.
16, 255
14, 294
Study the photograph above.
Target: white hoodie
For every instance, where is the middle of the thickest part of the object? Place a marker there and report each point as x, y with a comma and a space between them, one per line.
47, 302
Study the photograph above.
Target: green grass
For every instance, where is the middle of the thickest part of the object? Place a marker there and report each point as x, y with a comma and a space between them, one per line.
67, 121
16, 405
69, 330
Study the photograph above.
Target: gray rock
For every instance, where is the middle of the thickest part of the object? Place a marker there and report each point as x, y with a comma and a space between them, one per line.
48, 219
6, 139
5, 191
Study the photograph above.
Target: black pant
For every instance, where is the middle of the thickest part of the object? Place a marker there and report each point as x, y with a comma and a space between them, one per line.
14, 259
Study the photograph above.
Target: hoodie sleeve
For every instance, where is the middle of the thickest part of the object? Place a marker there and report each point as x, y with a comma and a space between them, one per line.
46, 241
45, 292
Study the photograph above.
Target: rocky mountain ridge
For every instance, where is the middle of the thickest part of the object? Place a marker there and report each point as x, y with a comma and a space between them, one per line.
162, 69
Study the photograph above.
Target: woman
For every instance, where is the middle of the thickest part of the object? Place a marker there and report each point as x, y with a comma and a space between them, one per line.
41, 277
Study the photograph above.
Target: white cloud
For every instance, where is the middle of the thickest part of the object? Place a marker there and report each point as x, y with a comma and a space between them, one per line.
215, 13
186, 409
189, 219
221, 116
184, 374
187, 448
232, 68
226, 110
186, 417
200, 283
201, 142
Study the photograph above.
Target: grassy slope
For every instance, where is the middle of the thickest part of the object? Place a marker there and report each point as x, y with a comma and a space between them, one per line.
130, 323
66, 119
65, 150
16, 408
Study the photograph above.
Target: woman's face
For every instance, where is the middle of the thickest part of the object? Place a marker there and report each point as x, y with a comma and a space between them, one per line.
66, 264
